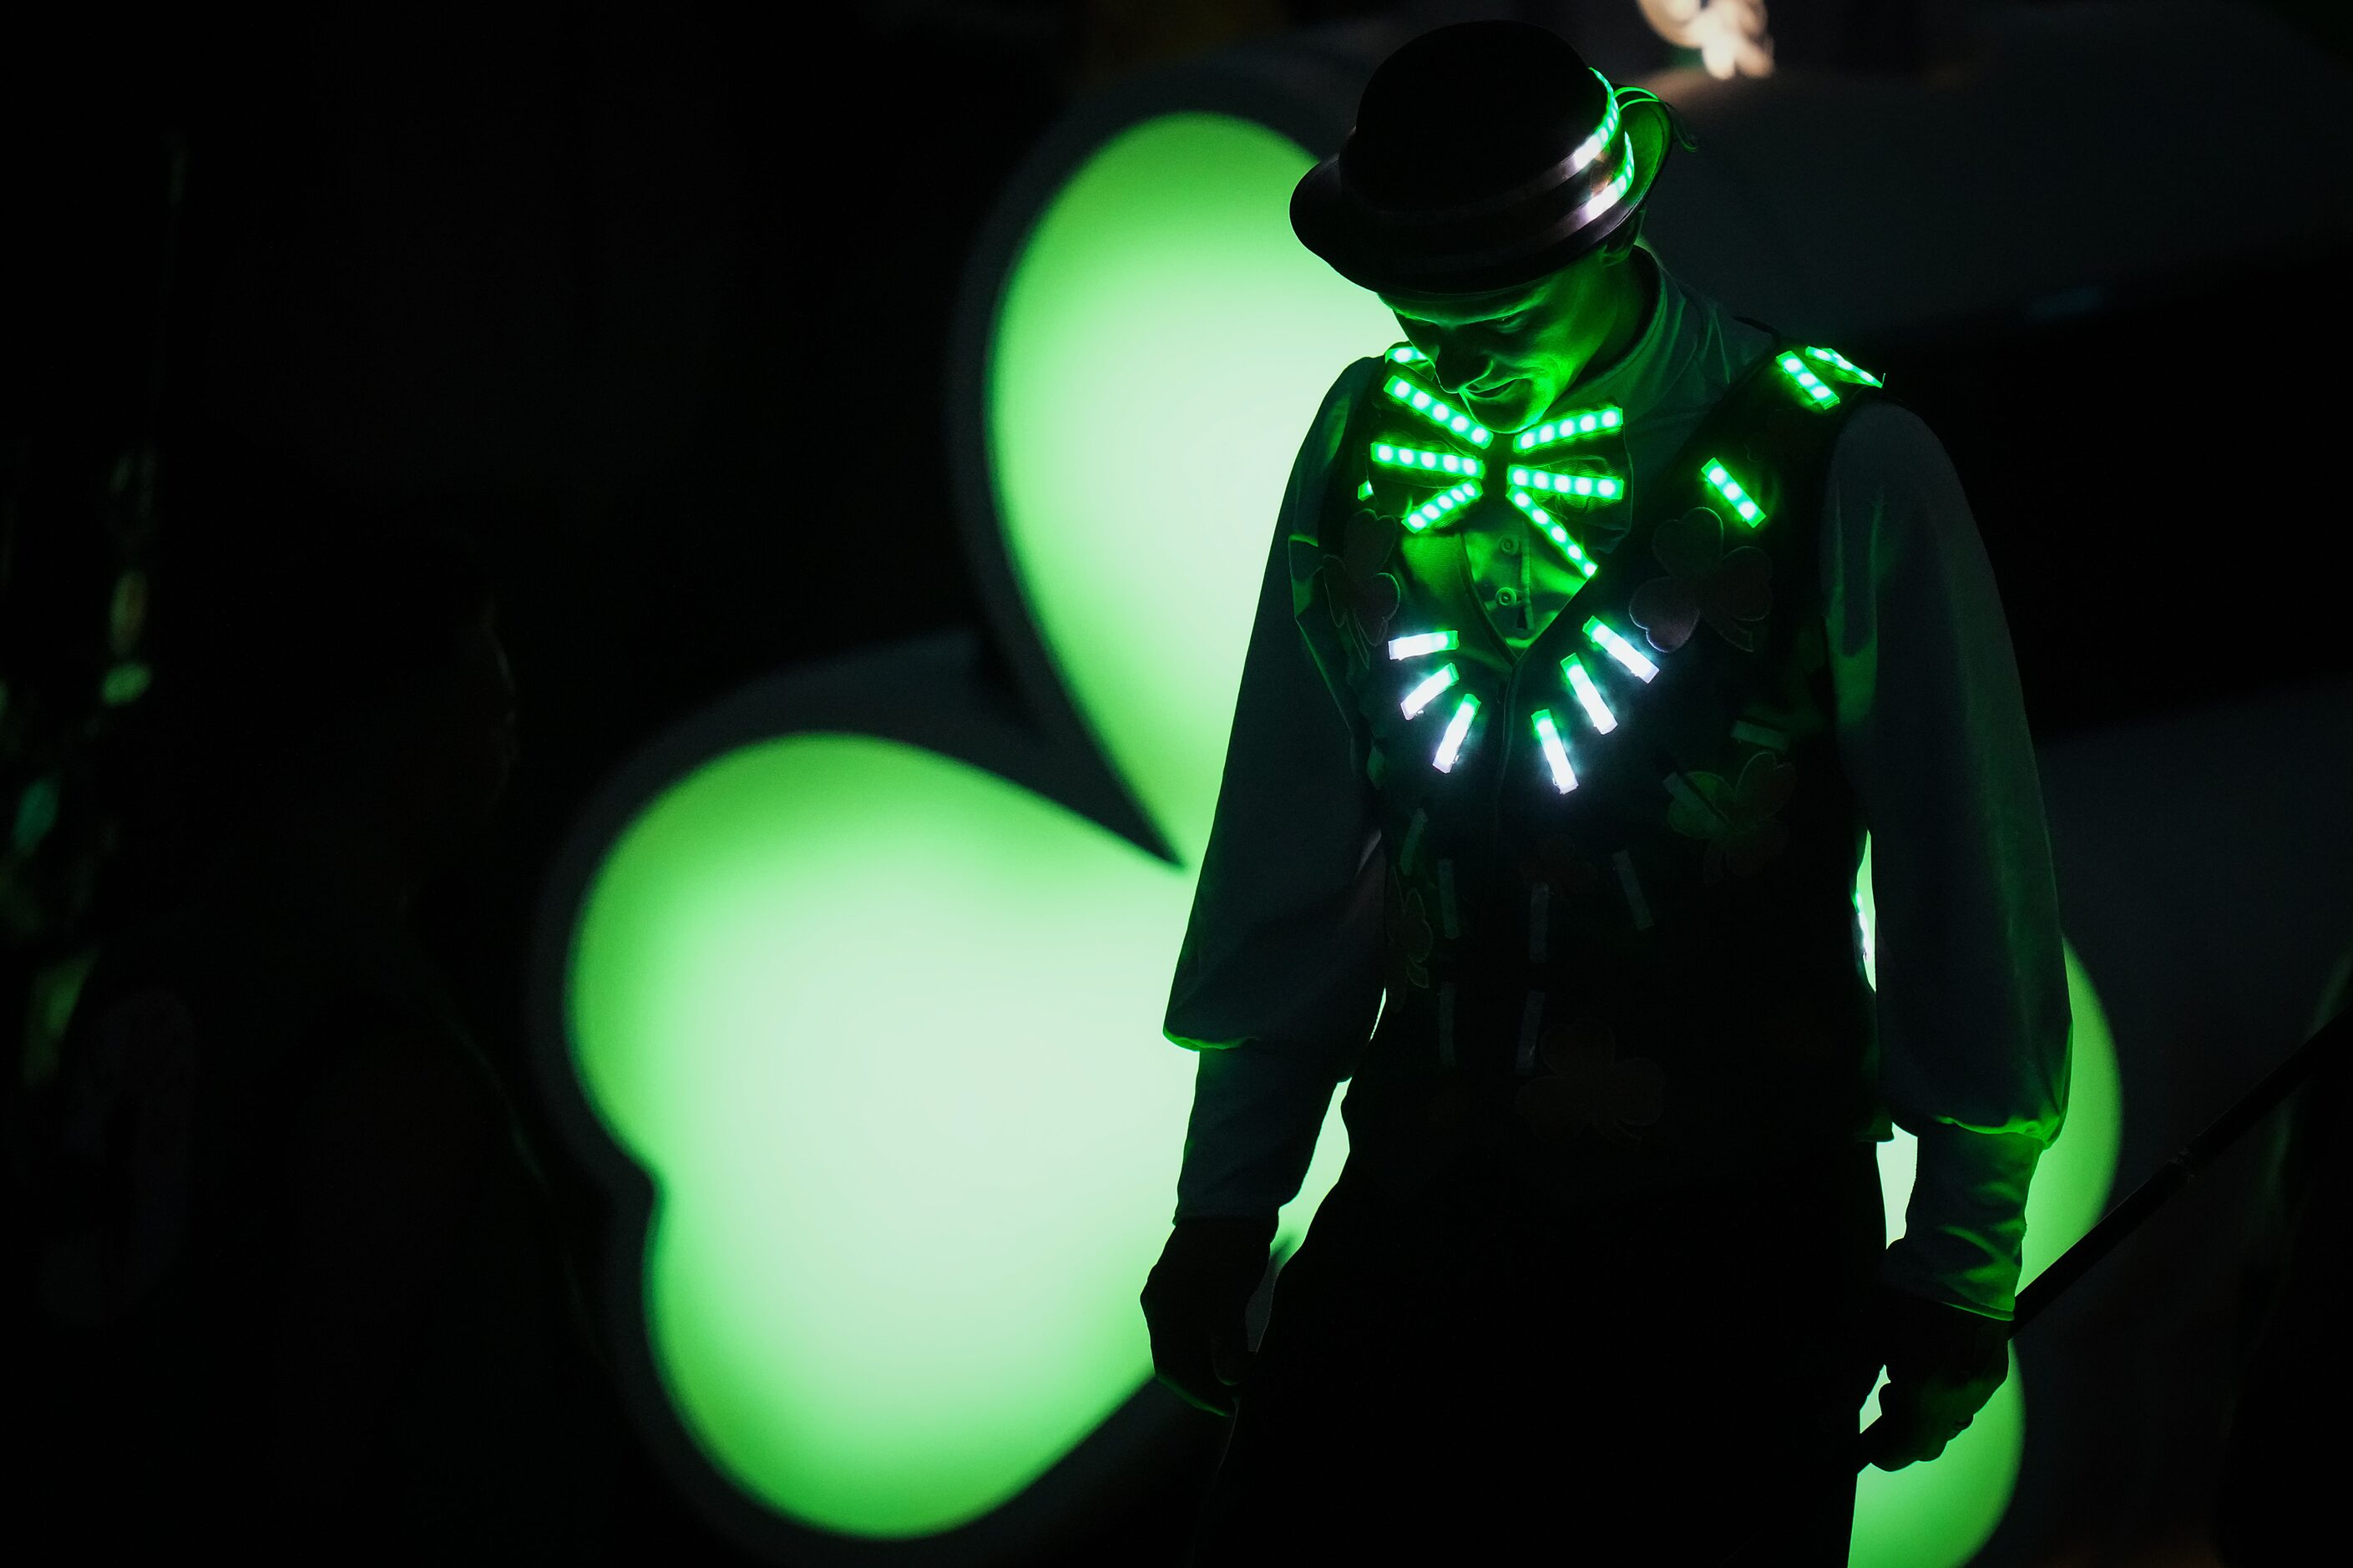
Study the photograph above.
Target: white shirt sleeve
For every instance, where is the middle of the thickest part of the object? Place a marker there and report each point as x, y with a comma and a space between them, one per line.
1972, 984
1279, 979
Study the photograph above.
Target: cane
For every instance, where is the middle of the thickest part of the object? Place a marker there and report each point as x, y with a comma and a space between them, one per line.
2128, 1216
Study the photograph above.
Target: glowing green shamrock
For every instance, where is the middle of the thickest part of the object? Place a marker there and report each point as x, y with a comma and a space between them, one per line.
882, 1027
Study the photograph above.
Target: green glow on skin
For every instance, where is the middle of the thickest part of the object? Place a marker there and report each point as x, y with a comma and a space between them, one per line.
1531, 345
739, 1001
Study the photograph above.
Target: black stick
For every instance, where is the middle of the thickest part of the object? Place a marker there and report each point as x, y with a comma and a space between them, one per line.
2128, 1216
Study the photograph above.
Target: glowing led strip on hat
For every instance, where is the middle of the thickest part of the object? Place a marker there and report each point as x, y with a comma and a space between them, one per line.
1574, 427
1421, 460
1552, 530
1609, 194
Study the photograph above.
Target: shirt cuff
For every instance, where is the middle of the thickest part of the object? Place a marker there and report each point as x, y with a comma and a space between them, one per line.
1965, 1227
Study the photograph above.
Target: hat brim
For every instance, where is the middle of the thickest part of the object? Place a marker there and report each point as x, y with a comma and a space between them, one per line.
1332, 223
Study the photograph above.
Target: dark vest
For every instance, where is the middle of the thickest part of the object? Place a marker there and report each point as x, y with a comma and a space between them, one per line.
1622, 942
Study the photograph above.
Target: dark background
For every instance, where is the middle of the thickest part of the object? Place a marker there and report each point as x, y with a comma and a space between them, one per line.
577, 271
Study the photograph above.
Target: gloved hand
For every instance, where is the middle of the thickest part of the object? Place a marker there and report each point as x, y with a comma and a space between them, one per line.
1196, 1300
1943, 1364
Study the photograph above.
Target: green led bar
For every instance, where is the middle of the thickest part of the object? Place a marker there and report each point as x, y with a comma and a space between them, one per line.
1449, 745
1589, 695
1831, 357
1564, 777
1422, 696
1422, 643
1439, 505
1552, 530
1619, 648
1729, 489
1421, 460
1438, 411
1812, 385
1605, 486
1406, 353
1574, 427
1365, 491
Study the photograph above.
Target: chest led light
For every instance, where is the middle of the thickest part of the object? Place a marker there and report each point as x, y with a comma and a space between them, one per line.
1831, 357
1422, 643
1573, 426
1549, 526
1729, 489
1438, 411
1588, 696
1564, 777
1421, 460
1406, 353
1817, 391
1604, 485
1438, 506
1449, 745
1619, 648
1422, 696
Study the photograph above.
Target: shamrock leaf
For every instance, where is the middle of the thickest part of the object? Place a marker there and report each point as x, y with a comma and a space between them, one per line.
860, 984
1361, 598
1736, 820
1588, 1086
1703, 583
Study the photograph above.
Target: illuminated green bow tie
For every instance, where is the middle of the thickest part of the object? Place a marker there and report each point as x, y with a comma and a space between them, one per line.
1590, 483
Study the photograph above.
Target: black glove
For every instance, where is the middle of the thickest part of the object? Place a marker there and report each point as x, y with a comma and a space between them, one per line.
1943, 1364
1196, 1301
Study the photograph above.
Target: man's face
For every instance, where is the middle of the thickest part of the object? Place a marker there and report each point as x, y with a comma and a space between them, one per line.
1509, 357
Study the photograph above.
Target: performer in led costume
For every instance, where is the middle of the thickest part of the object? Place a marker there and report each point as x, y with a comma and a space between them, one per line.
1599, 628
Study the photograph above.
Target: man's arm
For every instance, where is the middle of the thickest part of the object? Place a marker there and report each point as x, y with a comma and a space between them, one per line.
1278, 980
1972, 983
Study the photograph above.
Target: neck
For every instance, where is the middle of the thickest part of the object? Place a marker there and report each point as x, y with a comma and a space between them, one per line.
1637, 294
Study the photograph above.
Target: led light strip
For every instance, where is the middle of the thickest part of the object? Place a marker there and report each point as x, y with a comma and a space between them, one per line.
1564, 777
1831, 357
1423, 642
1421, 460
1406, 353
1588, 696
1553, 532
1438, 506
1619, 648
1812, 385
1729, 489
1449, 745
1607, 195
1605, 486
1423, 695
1437, 412
1571, 427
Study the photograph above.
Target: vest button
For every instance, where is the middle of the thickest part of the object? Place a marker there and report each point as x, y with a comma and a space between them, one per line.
1505, 596
1509, 545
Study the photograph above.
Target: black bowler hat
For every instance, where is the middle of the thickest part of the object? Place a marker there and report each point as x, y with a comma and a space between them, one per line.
1485, 156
